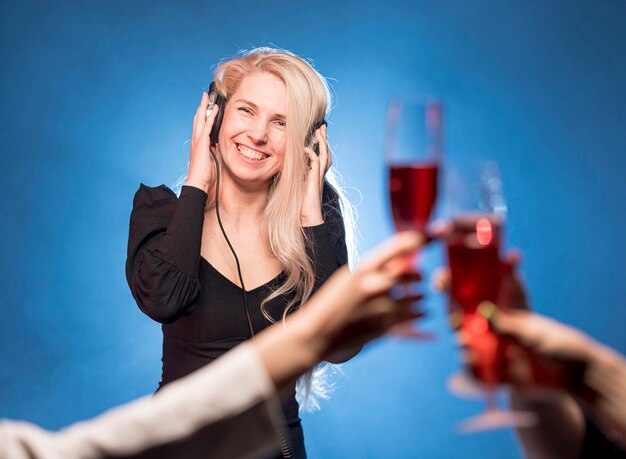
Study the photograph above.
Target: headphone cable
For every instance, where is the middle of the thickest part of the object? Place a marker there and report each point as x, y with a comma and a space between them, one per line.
219, 221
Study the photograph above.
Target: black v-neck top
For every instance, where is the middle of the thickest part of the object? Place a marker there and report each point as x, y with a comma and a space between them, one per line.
201, 310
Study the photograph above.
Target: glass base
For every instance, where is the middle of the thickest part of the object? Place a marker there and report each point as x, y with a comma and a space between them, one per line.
496, 418
466, 386
409, 330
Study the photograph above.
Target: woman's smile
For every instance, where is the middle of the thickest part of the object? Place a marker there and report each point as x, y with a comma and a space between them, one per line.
251, 154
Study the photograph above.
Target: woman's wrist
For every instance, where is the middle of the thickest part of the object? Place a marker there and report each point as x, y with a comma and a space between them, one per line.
197, 183
288, 350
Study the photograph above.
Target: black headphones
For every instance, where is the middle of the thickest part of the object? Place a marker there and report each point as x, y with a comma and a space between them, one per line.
216, 98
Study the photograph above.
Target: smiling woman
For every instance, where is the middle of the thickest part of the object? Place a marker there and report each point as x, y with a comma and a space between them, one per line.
257, 228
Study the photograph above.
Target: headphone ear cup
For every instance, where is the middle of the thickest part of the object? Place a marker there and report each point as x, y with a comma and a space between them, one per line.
314, 145
311, 141
217, 124
216, 98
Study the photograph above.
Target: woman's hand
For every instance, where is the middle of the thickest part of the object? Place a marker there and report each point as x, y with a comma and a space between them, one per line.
201, 173
311, 211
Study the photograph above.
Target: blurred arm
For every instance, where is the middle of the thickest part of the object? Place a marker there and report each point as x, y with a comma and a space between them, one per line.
205, 413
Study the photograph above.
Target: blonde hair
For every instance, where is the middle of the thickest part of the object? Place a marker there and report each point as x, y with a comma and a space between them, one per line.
308, 102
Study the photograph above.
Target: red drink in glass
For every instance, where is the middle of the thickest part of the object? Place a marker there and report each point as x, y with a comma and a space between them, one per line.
474, 257
413, 193
476, 273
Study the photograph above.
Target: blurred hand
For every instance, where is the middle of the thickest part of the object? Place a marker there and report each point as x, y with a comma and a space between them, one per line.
539, 352
560, 352
353, 308
349, 310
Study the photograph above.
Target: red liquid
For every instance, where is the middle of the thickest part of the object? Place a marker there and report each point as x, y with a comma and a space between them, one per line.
474, 257
476, 273
413, 192
486, 348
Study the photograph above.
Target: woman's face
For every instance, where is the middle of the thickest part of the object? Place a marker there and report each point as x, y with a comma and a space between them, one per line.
252, 139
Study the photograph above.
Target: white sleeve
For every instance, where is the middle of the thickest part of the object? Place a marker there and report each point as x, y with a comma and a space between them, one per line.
227, 409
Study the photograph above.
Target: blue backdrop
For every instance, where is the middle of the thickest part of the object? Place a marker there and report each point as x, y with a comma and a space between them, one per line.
98, 96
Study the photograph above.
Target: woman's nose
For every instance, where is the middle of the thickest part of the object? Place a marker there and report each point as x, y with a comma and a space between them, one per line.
258, 131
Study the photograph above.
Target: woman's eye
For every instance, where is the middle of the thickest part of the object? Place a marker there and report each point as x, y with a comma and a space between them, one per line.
280, 123
246, 110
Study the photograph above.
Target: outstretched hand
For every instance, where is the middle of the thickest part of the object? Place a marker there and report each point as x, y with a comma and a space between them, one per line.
349, 310
353, 308
541, 352
560, 352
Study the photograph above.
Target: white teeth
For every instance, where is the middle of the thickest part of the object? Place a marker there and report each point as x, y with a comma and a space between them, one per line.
251, 154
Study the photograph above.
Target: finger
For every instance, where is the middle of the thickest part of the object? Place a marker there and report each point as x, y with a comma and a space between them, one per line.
512, 294
324, 156
400, 265
531, 329
208, 125
462, 339
439, 229
415, 315
199, 119
410, 299
329, 161
314, 160
455, 315
511, 261
469, 358
390, 313
398, 290
375, 283
409, 330
513, 258
401, 244
441, 280
512, 323
409, 277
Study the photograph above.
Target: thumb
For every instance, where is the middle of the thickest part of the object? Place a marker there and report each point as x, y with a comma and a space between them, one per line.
401, 244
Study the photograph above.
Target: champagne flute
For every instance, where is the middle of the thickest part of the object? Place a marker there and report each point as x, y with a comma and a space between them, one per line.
413, 153
474, 241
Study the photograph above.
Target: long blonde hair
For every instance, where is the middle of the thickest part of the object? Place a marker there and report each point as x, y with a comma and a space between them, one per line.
309, 101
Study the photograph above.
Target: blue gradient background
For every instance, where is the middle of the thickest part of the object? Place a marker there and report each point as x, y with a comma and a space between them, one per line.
98, 96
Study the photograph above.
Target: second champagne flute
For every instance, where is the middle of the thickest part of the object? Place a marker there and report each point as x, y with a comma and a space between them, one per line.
474, 244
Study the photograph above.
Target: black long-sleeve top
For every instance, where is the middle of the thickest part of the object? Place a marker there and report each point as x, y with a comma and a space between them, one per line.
202, 311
